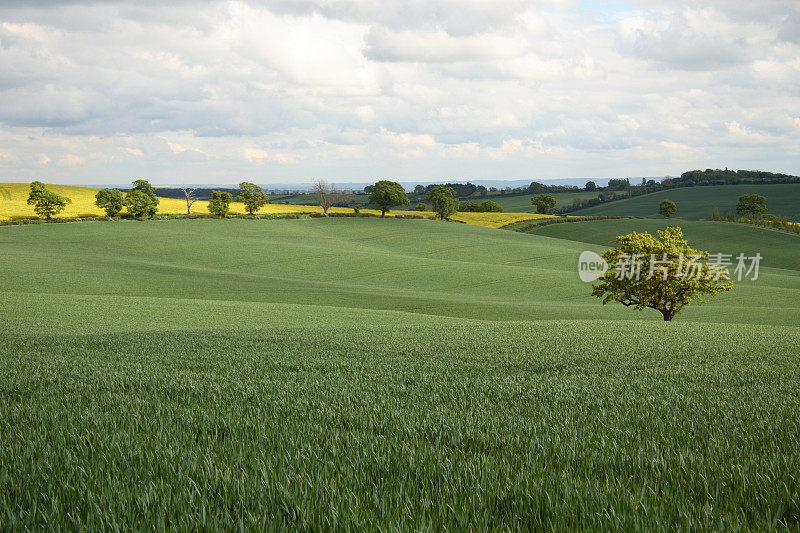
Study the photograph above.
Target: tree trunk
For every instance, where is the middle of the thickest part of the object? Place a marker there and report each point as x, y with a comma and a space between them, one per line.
383, 212
667, 314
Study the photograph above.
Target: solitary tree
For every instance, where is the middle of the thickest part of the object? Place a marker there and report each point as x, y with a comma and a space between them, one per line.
443, 200
45, 202
111, 200
219, 203
252, 196
190, 198
661, 273
544, 202
667, 208
591, 186
326, 194
752, 204
386, 194
141, 200
491, 207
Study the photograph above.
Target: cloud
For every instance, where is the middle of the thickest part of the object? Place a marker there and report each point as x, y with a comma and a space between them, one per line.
352, 89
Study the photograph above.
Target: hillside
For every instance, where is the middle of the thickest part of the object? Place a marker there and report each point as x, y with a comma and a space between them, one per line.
779, 249
696, 203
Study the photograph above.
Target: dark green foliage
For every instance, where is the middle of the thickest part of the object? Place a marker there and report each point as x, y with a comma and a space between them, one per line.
386, 194
219, 203
751, 204
667, 208
45, 202
251, 195
110, 200
469, 207
443, 201
421, 207
141, 200
491, 207
591, 186
544, 203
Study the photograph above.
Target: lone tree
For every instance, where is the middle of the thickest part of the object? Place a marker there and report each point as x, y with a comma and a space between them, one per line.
45, 202
326, 194
443, 201
667, 208
754, 205
591, 186
141, 200
386, 194
111, 200
190, 198
252, 196
219, 203
544, 202
661, 273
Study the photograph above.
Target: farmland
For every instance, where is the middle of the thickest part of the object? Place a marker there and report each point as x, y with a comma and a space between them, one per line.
696, 203
379, 373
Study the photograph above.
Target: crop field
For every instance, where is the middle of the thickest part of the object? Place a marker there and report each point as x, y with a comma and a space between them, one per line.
696, 203
13, 204
379, 374
521, 203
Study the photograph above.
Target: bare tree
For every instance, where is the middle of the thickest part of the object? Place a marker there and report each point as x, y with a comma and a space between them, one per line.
326, 194
190, 199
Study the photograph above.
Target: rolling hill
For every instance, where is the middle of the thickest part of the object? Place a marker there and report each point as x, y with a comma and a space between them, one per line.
695, 203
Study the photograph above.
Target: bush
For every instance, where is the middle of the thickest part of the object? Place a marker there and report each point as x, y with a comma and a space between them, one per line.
421, 207
489, 206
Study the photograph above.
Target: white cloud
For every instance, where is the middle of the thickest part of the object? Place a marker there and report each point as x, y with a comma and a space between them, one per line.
429, 89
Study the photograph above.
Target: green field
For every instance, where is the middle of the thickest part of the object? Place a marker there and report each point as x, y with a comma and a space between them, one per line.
379, 374
522, 203
696, 203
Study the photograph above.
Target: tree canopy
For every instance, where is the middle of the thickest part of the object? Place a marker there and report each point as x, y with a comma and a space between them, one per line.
385, 194
251, 195
110, 200
661, 273
219, 203
754, 205
667, 208
141, 200
45, 202
443, 200
544, 202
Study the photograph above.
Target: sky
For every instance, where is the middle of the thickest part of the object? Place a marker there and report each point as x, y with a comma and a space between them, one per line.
215, 92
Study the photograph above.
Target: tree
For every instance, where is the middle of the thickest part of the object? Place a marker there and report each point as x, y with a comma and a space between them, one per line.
661, 273
752, 204
468, 207
667, 208
482, 191
421, 207
219, 203
326, 194
252, 196
190, 199
111, 200
141, 200
543, 202
45, 202
491, 207
443, 200
591, 186
386, 194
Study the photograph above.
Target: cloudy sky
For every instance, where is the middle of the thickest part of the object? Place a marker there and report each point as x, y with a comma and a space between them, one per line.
351, 90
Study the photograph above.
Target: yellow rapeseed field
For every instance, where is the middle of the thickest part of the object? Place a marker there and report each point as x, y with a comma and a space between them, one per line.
14, 197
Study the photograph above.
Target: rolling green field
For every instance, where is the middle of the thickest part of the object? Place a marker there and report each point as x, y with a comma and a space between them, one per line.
780, 250
696, 203
522, 203
380, 374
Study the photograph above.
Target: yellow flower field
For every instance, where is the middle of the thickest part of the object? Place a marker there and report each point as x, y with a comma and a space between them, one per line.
14, 196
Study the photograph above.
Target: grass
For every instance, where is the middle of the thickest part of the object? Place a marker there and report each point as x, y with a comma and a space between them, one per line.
696, 203
379, 374
778, 249
521, 203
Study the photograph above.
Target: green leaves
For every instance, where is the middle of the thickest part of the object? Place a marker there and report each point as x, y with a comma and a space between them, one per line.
385, 194
219, 203
661, 273
252, 196
443, 200
141, 200
111, 200
544, 202
46, 202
